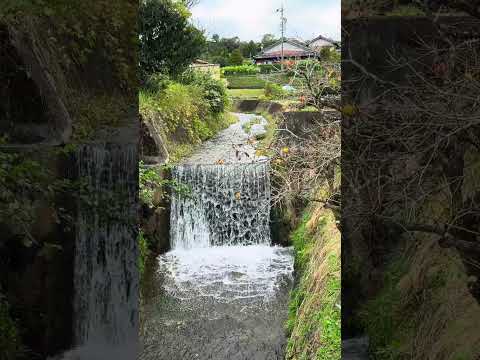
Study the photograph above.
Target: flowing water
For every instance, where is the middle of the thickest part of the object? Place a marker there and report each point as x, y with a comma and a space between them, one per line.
106, 270
222, 291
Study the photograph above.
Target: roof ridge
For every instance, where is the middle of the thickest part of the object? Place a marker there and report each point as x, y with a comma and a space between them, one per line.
321, 37
292, 41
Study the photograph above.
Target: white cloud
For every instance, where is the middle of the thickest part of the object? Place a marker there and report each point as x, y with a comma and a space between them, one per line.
250, 19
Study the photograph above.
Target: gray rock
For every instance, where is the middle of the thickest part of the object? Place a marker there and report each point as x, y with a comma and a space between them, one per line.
258, 131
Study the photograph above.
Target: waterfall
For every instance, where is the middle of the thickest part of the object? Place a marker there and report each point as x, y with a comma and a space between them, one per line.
106, 269
223, 205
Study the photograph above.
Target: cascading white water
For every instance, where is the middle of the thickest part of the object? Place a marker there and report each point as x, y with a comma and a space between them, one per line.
106, 254
220, 233
223, 287
224, 205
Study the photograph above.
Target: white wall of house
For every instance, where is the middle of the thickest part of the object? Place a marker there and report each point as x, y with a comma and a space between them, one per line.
320, 43
286, 47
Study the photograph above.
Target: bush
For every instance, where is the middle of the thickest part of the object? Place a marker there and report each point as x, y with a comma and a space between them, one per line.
214, 91
157, 83
189, 113
241, 70
269, 68
274, 91
236, 58
183, 106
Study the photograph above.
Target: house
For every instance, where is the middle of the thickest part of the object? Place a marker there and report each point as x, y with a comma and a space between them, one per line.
205, 66
321, 42
293, 49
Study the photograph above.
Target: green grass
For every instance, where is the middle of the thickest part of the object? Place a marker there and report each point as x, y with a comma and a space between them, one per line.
302, 243
329, 317
245, 82
314, 321
381, 316
246, 93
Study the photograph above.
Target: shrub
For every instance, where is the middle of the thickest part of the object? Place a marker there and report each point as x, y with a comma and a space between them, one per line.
189, 113
241, 70
182, 106
269, 68
273, 91
214, 91
236, 58
157, 83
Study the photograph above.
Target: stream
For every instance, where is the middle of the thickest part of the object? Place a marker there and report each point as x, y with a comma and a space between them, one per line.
222, 291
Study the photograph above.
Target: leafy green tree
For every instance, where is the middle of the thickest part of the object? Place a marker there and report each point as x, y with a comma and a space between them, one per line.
268, 40
249, 49
236, 58
168, 42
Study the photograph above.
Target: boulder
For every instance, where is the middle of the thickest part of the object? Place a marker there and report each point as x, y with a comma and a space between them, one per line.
258, 131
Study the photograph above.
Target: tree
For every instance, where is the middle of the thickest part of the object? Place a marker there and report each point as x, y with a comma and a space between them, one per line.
236, 58
268, 40
249, 49
190, 3
168, 42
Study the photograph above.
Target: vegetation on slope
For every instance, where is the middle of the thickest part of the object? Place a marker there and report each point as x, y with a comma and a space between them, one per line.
187, 112
65, 38
424, 310
314, 323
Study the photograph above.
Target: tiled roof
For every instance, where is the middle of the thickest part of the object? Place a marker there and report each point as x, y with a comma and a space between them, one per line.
320, 37
286, 53
199, 61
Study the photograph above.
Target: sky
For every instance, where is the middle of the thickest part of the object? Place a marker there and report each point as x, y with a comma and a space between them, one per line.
251, 19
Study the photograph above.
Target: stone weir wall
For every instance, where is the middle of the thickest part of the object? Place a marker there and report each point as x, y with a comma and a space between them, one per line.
257, 106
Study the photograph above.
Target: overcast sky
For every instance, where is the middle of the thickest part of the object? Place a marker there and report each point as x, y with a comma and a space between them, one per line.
251, 19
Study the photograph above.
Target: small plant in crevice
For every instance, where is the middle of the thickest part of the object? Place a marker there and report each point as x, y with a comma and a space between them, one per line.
154, 186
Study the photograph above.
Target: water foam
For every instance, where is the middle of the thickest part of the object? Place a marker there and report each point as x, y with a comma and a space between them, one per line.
227, 273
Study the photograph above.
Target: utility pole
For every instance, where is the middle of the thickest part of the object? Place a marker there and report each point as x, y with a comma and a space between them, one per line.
283, 27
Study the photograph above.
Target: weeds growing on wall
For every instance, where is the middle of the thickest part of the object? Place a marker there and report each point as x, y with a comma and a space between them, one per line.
314, 321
